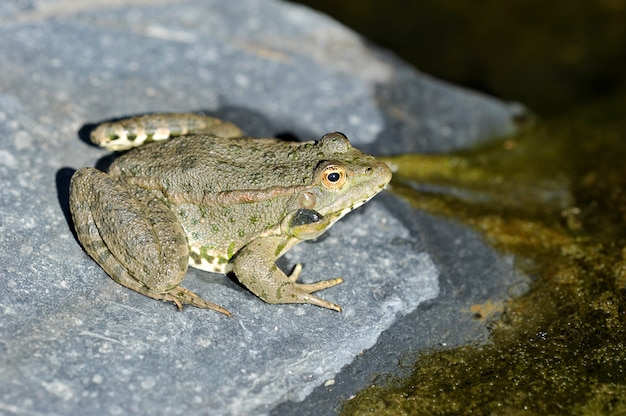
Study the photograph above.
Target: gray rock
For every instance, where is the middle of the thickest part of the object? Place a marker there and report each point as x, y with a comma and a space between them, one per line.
74, 342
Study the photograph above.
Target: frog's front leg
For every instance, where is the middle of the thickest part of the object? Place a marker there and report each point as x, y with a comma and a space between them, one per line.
133, 236
255, 268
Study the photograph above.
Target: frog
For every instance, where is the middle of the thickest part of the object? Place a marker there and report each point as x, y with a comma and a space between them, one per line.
191, 190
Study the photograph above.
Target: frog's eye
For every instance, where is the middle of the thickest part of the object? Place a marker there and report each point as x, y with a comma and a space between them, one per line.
333, 177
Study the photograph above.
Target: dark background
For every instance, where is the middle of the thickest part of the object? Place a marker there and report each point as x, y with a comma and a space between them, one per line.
551, 56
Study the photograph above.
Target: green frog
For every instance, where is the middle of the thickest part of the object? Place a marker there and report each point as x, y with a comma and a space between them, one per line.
193, 191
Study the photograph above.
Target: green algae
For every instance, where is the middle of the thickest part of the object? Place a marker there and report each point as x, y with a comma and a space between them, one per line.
555, 197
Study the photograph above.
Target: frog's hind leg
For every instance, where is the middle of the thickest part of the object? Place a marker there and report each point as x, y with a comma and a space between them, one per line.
134, 131
131, 235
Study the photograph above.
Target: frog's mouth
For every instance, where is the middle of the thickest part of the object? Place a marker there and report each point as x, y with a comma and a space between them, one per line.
337, 215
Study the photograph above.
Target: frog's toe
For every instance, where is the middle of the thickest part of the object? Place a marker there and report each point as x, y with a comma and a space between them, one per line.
295, 273
303, 293
172, 298
304, 297
323, 284
179, 295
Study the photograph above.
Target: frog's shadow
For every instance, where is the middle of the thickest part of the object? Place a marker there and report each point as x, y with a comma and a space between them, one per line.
64, 176
62, 179
85, 131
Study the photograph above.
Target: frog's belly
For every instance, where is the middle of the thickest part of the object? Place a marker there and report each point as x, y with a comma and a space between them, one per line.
200, 259
216, 233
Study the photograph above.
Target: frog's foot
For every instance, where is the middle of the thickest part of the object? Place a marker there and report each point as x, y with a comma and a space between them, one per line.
179, 295
301, 293
314, 287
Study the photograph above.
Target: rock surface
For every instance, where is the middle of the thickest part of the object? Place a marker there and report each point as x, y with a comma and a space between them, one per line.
74, 342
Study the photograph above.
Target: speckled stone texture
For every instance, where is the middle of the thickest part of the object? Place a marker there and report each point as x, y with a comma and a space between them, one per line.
74, 342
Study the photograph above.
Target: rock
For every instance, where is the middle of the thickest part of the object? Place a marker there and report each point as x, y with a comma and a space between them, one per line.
74, 342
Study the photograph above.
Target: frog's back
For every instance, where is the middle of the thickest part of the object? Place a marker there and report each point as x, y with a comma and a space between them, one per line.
215, 164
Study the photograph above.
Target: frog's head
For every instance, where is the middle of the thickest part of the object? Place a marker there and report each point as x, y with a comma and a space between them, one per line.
344, 179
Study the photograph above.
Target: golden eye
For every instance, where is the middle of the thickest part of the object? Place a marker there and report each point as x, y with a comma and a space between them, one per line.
333, 177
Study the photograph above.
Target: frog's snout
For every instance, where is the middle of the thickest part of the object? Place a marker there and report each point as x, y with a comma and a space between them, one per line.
383, 172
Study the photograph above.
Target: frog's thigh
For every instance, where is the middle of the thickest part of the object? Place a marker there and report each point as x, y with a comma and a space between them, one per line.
255, 268
132, 235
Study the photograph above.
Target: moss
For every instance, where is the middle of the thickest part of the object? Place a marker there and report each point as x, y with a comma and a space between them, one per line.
560, 348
